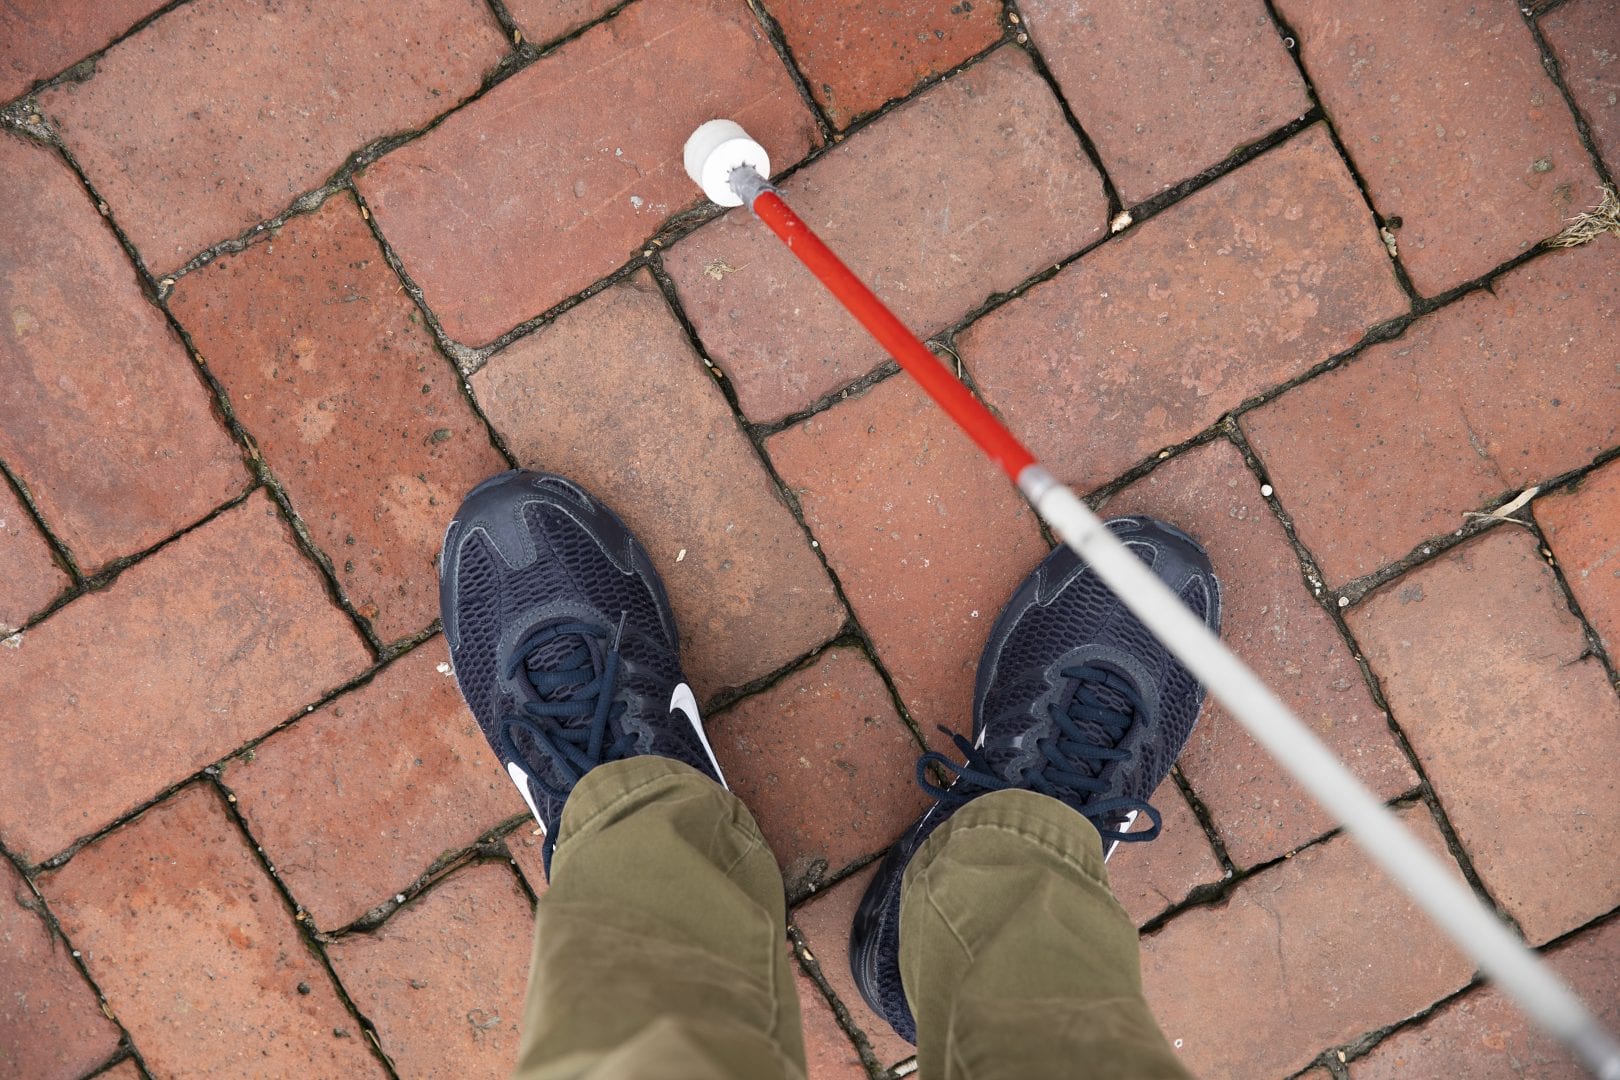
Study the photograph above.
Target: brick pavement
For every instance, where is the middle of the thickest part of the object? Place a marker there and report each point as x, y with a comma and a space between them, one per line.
281, 282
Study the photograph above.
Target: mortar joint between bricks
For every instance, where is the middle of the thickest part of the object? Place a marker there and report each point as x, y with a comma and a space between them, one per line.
1554, 69
303, 923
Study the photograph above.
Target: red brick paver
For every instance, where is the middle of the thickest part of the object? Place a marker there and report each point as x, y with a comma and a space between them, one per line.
198, 127
704, 389
1271, 621
855, 56
525, 198
829, 1053
942, 233
1310, 974
198, 955
329, 367
525, 844
1165, 90
1149, 877
357, 800
1583, 529
1486, 671
927, 538
1497, 392
1486, 1035
1585, 36
214, 640
543, 21
31, 578
51, 1026
825, 922
1149, 339
612, 396
1457, 130
100, 413
824, 762
36, 42
443, 979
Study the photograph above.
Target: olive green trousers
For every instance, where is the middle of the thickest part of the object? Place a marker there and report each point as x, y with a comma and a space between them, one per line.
659, 947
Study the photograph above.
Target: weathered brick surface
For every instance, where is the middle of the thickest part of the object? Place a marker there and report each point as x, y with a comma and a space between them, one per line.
1492, 1036
443, 979
354, 802
1149, 339
212, 641
543, 21
1272, 622
1149, 877
1487, 396
1166, 90
1015, 194
29, 578
100, 412
124, 1070
925, 535
1454, 125
38, 38
525, 845
1585, 36
537, 190
1294, 974
824, 763
330, 368
855, 56
829, 1053
1487, 672
1583, 529
219, 114
612, 396
51, 1026
825, 922
197, 953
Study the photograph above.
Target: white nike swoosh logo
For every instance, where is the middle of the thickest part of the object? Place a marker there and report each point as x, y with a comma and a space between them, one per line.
521, 779
682, 701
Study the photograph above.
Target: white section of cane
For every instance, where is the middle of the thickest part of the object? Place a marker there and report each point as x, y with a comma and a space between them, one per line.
1452, 906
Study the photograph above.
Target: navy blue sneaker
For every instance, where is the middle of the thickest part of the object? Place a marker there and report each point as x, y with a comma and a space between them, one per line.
562, 639
1074, 699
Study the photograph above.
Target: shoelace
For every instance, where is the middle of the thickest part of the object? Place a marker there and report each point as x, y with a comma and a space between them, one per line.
1073, 759
572, 693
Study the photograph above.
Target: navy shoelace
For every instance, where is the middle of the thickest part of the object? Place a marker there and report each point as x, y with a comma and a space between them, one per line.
1073, 759
571, 689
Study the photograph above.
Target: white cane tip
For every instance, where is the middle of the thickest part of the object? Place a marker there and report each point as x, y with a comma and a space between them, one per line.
714, 150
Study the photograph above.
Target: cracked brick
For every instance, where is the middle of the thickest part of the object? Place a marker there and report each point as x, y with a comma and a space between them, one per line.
1478, 400
1489, 675
1295, 974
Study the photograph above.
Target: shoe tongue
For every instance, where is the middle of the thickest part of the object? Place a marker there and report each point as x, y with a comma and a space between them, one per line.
1091, 695
562, 652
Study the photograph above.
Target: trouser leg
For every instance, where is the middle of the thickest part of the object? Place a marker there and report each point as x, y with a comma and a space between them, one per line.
660, 944
1016, 958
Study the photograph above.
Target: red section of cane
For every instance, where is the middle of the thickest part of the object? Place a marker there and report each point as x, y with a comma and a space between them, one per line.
957, 401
